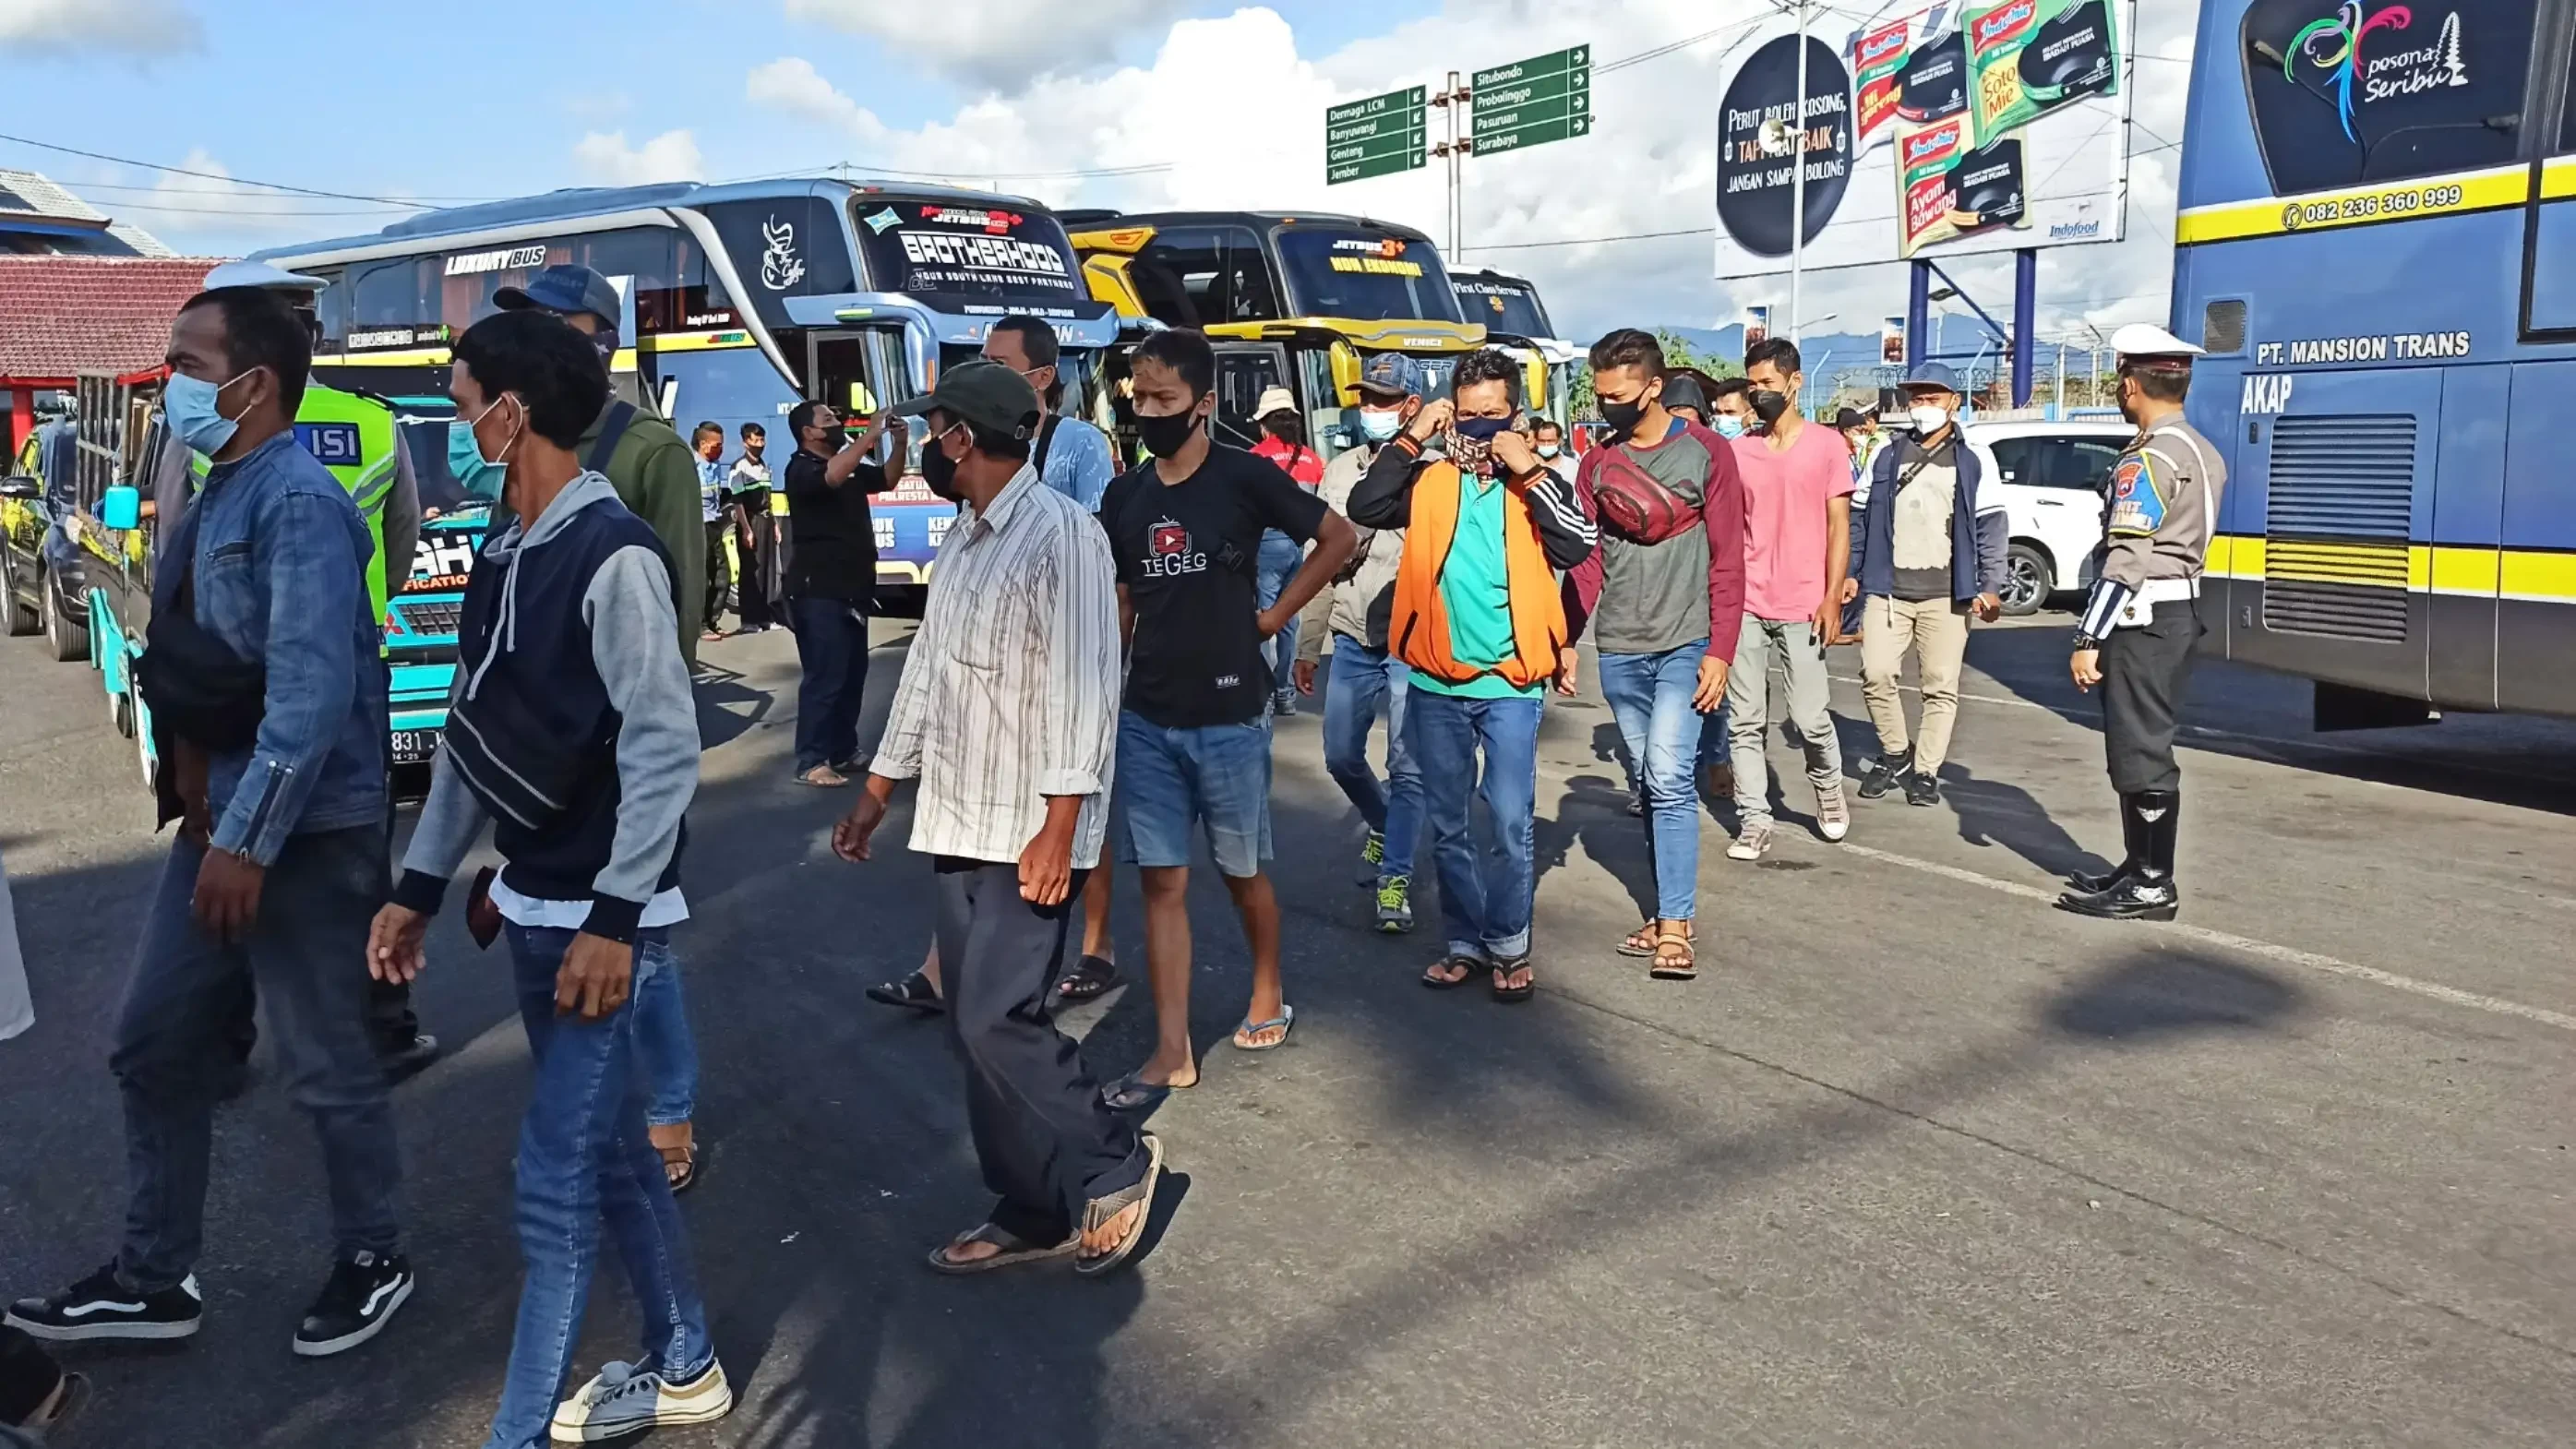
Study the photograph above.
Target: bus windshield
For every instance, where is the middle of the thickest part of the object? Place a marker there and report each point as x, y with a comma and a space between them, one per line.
1505, 305
1363, 275
968, 258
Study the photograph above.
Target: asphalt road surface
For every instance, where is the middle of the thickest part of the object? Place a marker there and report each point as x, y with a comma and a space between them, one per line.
1918, 1161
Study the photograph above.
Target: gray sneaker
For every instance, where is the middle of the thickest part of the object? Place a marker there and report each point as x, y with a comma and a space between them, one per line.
1833, 812
1751, 841
1395, 905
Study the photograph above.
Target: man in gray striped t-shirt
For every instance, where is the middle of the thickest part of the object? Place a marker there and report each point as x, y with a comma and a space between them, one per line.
1008, 714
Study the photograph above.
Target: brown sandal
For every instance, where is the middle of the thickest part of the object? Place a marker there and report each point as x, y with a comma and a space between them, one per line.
1675, 957
680, 1165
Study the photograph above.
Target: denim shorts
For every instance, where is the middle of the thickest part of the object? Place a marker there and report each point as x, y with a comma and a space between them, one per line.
1171, 779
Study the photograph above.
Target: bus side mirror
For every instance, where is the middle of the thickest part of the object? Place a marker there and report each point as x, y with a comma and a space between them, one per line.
22, 486
120, 507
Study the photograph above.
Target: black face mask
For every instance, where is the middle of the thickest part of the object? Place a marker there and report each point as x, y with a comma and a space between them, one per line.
1166, 436
1623, 417
940, 471
1768, 405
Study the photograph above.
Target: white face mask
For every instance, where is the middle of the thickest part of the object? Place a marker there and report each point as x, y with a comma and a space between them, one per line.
1927, 418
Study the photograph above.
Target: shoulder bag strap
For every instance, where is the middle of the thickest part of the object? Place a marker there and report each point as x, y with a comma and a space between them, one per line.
1046, 441
621, 415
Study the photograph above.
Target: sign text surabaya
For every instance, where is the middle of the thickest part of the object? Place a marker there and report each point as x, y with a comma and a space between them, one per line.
2385, 347
1553, 63
507, 259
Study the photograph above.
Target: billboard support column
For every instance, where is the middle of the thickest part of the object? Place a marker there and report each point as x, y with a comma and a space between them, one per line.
2025, 321
1918, 312
1798, 188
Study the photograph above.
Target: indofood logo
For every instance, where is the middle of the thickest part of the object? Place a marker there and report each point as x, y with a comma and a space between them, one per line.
2002, 23
780, 267
1879, 47
2336, 47
1933, 144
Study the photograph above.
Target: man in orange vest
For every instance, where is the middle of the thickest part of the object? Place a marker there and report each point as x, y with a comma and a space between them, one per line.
1478, 616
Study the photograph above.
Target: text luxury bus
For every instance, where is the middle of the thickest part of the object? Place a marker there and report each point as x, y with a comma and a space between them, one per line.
1289, 301
1517, 322
738, 299
2377, 244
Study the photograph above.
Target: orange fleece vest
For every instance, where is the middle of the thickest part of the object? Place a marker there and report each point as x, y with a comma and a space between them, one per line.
1418, 626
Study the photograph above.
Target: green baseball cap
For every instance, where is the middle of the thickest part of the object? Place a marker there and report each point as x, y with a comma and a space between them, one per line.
986, 394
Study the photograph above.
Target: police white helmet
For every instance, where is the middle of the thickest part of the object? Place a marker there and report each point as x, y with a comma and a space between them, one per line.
2144, 339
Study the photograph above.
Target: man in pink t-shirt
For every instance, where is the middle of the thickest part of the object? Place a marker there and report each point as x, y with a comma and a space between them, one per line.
1797, 537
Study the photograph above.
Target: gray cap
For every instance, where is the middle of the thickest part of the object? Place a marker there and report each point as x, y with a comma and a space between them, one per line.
563, 290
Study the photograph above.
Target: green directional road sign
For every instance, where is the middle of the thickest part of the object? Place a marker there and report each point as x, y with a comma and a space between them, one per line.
1375, 137
1545, 98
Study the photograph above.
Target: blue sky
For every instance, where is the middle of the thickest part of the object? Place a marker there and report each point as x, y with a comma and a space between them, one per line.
1203, 102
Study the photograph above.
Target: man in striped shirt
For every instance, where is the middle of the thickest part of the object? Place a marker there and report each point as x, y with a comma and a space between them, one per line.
1008, 715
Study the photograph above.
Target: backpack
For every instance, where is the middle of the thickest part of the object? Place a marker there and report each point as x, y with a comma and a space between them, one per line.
1635, 505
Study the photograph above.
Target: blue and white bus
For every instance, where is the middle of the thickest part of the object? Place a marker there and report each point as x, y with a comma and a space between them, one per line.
2377, 244
738, 299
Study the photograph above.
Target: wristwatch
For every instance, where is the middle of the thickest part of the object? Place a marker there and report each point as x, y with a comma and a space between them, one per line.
2084, 642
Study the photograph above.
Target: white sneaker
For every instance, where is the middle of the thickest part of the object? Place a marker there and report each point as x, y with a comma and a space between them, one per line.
624, 1399
1751, 841
1833, 813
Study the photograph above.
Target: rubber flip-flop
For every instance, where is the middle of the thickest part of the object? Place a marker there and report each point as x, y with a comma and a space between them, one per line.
1286, 1021
1132, 1093
912, 993
1628, 944
1513, 995
1092, 976
1101, 1209
1015, 1250
1438, 983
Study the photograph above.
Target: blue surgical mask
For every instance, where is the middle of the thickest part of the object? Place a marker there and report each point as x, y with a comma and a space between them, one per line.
1728, 425
1550, 450
1380, 424
190, 406
477, 475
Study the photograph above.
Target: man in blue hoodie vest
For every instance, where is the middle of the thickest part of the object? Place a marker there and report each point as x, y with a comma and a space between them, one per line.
573, 734
1928, 551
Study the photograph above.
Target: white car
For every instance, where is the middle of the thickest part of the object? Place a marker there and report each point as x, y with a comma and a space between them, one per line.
2053, 475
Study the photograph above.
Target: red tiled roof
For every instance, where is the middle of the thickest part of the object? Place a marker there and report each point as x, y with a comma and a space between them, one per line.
64, 315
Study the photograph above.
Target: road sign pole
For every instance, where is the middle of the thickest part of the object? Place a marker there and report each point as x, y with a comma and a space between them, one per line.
1457, 207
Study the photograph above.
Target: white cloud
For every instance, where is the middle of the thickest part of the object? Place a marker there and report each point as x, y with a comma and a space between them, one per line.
791, 84
1648, 167
135, 27
226, 212
671, 156
997, 44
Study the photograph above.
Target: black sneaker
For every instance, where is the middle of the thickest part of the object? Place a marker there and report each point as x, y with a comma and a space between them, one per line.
101, 1307
404, 1062
1883, 773
1922, 789
355, 1305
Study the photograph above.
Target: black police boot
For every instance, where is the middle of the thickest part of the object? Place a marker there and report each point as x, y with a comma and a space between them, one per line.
2149, 894
1883, 774
2133, 840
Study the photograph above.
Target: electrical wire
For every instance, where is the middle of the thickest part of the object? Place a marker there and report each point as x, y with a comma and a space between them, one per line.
235, 180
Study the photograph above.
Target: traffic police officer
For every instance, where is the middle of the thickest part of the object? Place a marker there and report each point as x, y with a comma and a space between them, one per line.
2140, 622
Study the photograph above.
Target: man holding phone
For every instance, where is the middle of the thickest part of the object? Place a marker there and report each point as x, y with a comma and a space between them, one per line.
832, 578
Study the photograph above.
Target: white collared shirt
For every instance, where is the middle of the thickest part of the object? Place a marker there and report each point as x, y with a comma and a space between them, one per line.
1010, 692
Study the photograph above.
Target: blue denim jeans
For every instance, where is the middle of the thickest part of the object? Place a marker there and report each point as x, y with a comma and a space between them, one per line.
1360, 680
832, 649
584, 1157
1279, 560
1650, 697
1484, 906
1217, 776
668, 1048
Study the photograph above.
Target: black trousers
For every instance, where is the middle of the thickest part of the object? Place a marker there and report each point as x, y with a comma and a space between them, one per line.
719, 574
756, 589
1046, 1141
2144, 673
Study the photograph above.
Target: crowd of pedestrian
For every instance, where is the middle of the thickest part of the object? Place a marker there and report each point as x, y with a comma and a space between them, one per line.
1094, 683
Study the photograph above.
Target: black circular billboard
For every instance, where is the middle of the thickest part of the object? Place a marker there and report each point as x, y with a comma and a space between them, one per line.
1758, 135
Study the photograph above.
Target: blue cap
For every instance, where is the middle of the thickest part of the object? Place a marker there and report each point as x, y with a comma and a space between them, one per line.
1390, 373
1932, 374
563, 290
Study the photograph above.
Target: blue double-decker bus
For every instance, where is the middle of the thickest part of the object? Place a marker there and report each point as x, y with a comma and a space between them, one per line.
2377, 244
738, 300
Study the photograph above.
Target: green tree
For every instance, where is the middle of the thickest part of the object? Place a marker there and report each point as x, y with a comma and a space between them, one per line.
1678, 353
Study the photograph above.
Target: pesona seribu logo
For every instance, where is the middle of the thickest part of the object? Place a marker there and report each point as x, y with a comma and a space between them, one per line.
2337, 48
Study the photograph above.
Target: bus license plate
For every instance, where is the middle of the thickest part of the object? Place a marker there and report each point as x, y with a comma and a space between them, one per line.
414, 747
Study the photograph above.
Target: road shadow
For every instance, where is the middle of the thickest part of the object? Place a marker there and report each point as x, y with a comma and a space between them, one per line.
1994, 812
2152, 996
2232, 709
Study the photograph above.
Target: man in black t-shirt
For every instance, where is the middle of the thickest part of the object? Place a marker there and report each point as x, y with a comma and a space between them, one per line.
831, 578
1194, 737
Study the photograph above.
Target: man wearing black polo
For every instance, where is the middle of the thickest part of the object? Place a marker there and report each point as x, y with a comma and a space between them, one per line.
832, 579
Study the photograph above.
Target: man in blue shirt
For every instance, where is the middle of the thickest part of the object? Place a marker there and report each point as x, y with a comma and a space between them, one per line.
1071, 456
707, 443
268, 706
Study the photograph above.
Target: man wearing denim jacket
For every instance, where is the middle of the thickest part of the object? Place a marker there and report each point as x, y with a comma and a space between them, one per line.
280, 860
